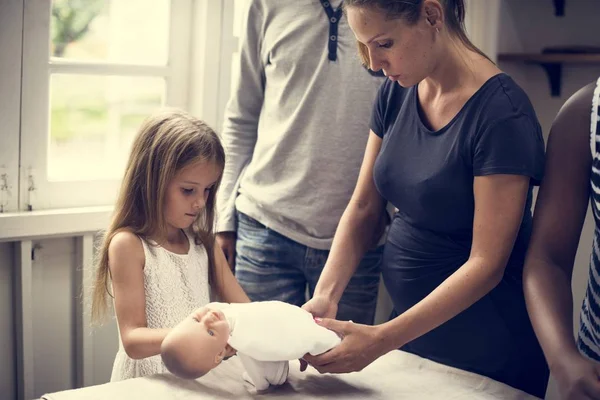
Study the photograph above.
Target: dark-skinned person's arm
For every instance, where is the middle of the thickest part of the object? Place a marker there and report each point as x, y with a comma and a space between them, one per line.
558, 219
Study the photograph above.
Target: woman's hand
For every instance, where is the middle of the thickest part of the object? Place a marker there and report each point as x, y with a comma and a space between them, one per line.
578, 378
360, 346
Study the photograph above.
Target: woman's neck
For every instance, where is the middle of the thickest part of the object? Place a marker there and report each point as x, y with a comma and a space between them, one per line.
459, 68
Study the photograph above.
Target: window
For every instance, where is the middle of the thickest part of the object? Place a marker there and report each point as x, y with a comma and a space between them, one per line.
78, 76
92, 71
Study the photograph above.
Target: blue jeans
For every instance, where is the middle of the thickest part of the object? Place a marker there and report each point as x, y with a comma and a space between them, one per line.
269, 266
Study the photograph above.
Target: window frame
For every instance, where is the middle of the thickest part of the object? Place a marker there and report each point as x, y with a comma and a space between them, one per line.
11, 27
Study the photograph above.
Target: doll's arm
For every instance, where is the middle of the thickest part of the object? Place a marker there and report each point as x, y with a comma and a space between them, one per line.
261, 374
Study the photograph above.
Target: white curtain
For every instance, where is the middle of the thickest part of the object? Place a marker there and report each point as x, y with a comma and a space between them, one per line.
481, 21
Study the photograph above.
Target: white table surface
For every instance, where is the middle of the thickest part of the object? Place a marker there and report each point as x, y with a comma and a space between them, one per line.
397, 375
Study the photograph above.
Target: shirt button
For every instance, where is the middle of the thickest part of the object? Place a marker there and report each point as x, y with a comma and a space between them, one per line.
333, 37
326, 4
333, 20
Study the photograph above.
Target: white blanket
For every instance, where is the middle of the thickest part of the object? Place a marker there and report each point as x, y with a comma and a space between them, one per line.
397, 375
275, 331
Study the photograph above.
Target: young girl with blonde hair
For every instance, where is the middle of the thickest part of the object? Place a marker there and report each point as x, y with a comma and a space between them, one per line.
159, 254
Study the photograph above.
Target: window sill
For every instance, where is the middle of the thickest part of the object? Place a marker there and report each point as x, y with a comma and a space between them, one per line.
52, 223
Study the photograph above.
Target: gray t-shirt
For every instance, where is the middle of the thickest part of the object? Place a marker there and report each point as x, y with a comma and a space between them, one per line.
297, 123
428, 176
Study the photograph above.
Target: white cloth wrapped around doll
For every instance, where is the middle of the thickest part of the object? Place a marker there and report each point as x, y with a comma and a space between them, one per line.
265, 335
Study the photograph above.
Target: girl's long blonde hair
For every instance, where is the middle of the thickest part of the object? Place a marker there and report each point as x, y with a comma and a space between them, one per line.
166, 143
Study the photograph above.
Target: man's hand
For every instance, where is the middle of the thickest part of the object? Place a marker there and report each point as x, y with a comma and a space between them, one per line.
226, 240
321, 307
578, 378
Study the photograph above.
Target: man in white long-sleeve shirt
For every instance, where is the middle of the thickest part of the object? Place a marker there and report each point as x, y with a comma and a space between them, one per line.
295, 133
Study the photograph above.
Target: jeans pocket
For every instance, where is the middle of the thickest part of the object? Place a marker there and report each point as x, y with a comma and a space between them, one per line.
249, 222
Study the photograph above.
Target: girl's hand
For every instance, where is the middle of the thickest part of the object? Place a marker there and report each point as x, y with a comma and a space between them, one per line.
578, 378
360, 346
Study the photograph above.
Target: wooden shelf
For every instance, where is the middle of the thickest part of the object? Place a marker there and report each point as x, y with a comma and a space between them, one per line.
552, 63
562, 58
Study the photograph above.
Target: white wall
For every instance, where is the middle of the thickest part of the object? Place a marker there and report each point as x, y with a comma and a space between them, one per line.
53, 326
528, 26
53, 336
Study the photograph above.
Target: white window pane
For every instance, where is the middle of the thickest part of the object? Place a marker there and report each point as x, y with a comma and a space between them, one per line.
93, 121
117, 31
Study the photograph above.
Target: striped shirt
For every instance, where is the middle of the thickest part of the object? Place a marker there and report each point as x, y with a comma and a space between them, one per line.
589, 330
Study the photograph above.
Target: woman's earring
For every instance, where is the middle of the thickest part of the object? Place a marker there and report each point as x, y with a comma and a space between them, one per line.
437, 29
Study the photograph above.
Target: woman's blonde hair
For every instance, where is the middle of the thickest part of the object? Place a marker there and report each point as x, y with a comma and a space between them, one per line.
167, 142
410, 11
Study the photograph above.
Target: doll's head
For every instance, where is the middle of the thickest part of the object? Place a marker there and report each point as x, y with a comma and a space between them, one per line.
197, 344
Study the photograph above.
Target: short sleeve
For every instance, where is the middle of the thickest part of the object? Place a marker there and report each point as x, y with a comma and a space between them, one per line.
377, 124
514, 146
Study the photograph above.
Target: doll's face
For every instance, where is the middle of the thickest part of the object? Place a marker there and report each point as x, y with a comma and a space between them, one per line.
197, 344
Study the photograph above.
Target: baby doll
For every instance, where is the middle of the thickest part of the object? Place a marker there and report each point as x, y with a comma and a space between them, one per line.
265, 335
